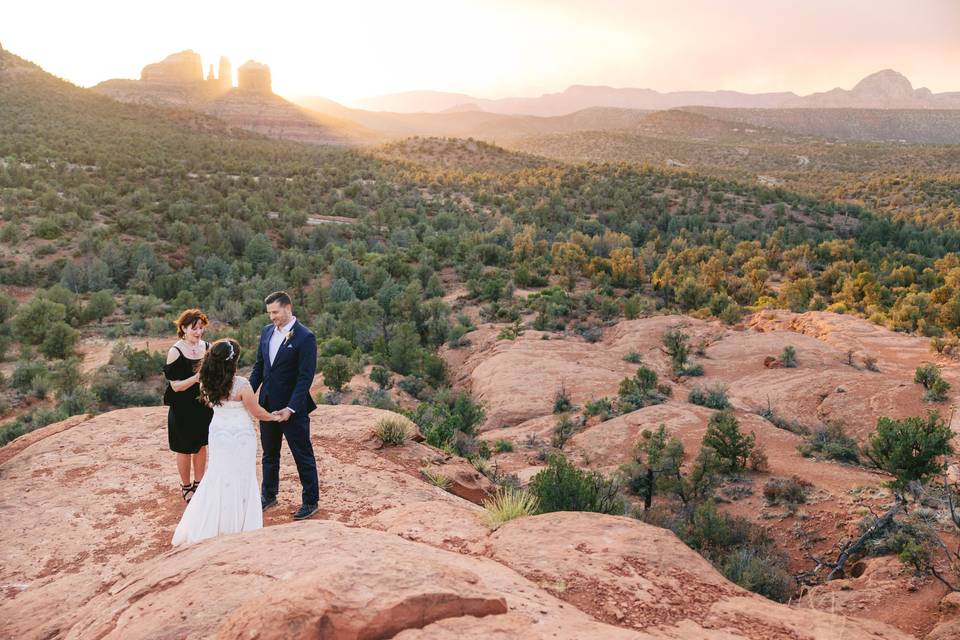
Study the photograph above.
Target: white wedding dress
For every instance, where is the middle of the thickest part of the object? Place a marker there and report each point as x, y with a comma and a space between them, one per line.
228, 498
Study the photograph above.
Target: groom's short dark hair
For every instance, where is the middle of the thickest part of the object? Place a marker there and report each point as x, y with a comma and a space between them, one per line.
278, 296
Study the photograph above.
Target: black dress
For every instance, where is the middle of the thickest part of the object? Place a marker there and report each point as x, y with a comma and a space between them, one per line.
188, 421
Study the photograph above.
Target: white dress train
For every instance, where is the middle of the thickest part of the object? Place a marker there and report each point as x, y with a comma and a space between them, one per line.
228, 498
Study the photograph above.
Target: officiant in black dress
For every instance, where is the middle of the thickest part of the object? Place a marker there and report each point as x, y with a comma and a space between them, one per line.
188, 420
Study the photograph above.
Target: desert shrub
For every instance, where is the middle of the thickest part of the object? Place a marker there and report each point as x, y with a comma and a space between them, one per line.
769, 414
758, 460
60, 340
870, 363
675, 342
788, 357
335, 346
741, 551
336, 372
377, 398
137, 364
414, 386
507, 504
831, 442
591, 333
391, 431
30, 422
563, 430
633, 357
760, 571
723, 435
900, 534
655, 466
692, 370
111, 388
935, 387
436, 478
561, 400
76, 401
712, 397
456, 339
512, 332
639, 391
910, 449
787, 491
502, 446
564, 487
380, 376
27, 372
601, 407
445, 416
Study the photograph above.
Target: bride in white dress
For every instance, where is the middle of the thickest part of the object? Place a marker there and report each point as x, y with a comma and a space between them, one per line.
228, 498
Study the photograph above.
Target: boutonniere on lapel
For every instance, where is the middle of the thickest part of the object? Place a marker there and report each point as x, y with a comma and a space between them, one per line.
287, 338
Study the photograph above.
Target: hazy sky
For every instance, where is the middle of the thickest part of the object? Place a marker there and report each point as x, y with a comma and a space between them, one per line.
493, 48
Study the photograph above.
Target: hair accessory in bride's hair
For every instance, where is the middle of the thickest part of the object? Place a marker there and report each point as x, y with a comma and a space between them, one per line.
230, 356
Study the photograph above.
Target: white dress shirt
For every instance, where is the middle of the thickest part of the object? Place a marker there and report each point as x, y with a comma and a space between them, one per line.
277, 339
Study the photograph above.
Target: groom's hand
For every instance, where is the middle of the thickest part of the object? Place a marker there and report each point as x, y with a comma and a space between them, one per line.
283, 415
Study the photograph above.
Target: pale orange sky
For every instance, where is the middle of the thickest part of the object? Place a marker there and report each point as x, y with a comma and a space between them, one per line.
499, 48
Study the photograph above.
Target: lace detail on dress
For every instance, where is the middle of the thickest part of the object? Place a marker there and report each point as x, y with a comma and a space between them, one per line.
239, 384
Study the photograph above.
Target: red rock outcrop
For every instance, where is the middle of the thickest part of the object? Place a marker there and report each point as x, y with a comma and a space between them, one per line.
89, 510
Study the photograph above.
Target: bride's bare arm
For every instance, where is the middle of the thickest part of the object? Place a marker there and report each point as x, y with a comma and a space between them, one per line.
250, 403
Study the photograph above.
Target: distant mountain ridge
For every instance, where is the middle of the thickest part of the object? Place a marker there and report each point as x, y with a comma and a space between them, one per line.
885, 89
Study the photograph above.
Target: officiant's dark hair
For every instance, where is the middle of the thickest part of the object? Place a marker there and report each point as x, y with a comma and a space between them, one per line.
279, 296
217, 371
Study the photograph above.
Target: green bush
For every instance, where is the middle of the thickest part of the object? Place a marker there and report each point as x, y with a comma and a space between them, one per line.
376, 398
561, 400
446, 416
414, 386
601, 407
741, 551
502, 446
563, 430
935, 386
380, 376
676, 343
633, 357
788, 357
336, 372
26, 373
639, 391
33, 320
712, 397
725, 438
564, 487
832, 442
911, 449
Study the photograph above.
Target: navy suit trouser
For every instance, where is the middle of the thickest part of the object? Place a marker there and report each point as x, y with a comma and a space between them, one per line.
296, 430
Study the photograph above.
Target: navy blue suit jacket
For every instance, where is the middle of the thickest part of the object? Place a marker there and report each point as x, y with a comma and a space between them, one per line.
286, 383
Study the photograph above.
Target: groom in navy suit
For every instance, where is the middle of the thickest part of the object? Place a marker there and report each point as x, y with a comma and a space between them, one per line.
285, 367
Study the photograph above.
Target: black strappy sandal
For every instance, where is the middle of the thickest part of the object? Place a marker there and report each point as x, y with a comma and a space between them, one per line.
187, 490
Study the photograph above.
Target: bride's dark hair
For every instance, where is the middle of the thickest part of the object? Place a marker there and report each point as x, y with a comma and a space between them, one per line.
217, 371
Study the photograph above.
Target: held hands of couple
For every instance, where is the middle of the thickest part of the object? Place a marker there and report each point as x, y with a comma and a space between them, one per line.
281, 415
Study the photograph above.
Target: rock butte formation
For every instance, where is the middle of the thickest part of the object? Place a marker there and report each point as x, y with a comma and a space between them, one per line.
177, 68
177, 81
254, 76
85, 554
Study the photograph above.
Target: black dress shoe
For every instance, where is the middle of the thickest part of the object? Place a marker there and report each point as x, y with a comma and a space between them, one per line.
305, 511
267, 503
